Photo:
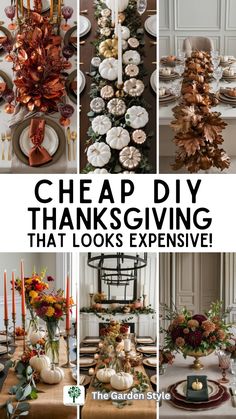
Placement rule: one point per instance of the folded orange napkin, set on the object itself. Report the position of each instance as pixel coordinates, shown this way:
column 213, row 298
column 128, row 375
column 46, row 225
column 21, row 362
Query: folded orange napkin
column 38, row 155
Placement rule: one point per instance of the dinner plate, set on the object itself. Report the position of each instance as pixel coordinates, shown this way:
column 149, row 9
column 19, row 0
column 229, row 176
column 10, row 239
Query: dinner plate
column 91, row 340
column 144, row 340
column 3, row 350
column 213, row 388
column 45, row 5
column 50, row 141
column 146, row 362
column 168, row 63
column 4, row 78
column 3, row 339
column 81, row 81
column 84, row 26
column 147, row 349
column 153, row 81
column 227, row 99
column 86, row 380
column 151, row 25
column 89, row 350
column 153, row 379
column 68, row 38
column 71, row 91
column 228, row 96
column 87, row 362
column 58, row 132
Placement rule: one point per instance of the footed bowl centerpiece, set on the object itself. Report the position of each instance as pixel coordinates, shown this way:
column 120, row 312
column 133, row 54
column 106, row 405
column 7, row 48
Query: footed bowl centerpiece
column 197, row 365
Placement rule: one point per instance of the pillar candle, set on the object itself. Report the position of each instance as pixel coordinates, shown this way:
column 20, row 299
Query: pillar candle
column 13, row 294
column 5, row 296
column 120, row 55
column 127, row 345
column 67, row 303
column 22, row 277
column 116, row 15
column 90, row 289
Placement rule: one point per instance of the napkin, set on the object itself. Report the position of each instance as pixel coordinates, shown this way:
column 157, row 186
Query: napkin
column 38, row 155
column 197, row 395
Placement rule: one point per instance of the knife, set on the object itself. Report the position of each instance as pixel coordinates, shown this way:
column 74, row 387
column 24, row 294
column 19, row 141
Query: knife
column 69, row 143
column 233, row 397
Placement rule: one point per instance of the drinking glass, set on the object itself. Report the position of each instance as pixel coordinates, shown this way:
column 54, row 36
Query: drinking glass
column 68, row 52
column 214, row 53
column 141, row 6
column 176, row 88
column 66, row 12
column 217, row 74
column 233, row 371
column 10, row 12
column 66, row 112
column 180, row 69
column 215, row 62
column 224, row 364
column 181, row 55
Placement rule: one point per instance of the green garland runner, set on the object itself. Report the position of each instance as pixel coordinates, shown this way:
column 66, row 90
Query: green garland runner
column 133, row 22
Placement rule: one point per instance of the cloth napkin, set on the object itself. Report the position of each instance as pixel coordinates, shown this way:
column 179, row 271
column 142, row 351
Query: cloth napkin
column 197, row 395
column 38, row 155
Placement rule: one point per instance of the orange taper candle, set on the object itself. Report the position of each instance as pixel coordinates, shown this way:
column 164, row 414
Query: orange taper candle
column 51, row 10
column 68, row 303
column 5, row 296
column 22, row 277
column 13, row 294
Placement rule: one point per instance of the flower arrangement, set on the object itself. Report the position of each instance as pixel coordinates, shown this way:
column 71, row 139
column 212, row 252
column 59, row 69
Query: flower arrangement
column 50, row 307
column 34, row 285
column 199, row 332
column 165, row 357
column 114, row 330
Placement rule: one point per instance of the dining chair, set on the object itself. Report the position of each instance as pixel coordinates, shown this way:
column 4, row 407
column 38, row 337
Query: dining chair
column 200, row 43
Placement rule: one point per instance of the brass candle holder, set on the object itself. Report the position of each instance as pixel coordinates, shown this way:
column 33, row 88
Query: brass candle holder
column 23, row 327
column 127, row 365
column 68, row 363
column 120, row 90
column 91, row 294
column 8, row 355
column 144, row 300
column 14, row 329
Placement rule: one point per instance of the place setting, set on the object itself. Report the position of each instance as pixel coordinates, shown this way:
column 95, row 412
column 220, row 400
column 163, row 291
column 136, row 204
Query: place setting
column 168, row 74
column 228, row 95
column 166, row 96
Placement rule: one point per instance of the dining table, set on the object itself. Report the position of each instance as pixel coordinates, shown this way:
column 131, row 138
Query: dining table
column 178, row 371
column 49, row 403
column 9, row 160
column 86, row 55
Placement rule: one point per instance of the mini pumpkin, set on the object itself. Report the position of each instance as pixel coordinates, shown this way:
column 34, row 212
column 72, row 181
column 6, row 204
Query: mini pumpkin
column 98, row 154
column 131, row 70
column 133, row 42
column 101, row 124
column 104, row 374
column 107, row 92
column 38, row 362
column 103, row 22
column 122, row 381
column 139, row 136
column 118, row 138
column 97, row 105
column 125, row 32
column 52, row 375
column 35, row 336
column 96, row 61
column 130, row 157
column 99, row 172
column 134, row 87
column 137, row 117
column 108, row 69
column 109, row 48
column 105, row 31
column 116, row 107
column 131, row 57
column 106, row 12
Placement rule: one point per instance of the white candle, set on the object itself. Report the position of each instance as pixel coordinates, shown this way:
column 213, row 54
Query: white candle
column 113, row 12
column 127, row 345
column 120, row 56
column 91, row 289
column 116, row 15
column 128, row 330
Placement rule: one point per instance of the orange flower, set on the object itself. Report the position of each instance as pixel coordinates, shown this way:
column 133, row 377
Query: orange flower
column 180, row 342
column 208, row 326
column 221, row 334
column 180, row 319
column 193, row 324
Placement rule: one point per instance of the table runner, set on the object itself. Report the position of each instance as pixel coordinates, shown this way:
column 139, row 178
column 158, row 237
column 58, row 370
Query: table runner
column 49, row 404
column 179, row 371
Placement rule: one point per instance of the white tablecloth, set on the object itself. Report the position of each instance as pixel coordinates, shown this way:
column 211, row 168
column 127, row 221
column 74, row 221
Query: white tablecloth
column 16, row 166
column 179, row 371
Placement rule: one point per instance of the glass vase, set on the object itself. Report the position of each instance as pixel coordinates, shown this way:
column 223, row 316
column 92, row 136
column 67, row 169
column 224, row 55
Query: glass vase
column 53, row 341
column 32, row 325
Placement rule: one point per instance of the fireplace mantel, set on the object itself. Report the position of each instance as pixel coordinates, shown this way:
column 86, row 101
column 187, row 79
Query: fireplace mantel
column 145, row 324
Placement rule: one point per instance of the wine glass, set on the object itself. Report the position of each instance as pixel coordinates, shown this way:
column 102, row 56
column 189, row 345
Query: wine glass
column 66, row 12
column 233, row 371
column 66, row 112
column 181, row 55
column 180, row 69
column 214, row 53
column 224, row 364
column 217, row 74
column 9, row 96
column 68, row 52
column 141, row 6
column 176, row 88
column 215, row 62
column 10, row 12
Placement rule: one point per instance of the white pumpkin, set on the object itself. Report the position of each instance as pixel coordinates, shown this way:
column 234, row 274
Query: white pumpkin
column 97, row 105
column 134, row 87
column 116, row 107
column 35, row 336
column 122, row 381
column 104, row 374
column 137, row 117
column 131, row 57
column 98, row 154
column 125, row 33
column 118, row 138
column 122, row 4
column 52, row 375
column 39, row 362
column 130, row 157
column 108, row 69
column 101, row 124
column 99, row 172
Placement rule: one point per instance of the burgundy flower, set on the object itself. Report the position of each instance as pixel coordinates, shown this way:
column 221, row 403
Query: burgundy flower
column 118, row 339
column 50, row 278
column 194, row 338
column 177, row 332
column 199, row 317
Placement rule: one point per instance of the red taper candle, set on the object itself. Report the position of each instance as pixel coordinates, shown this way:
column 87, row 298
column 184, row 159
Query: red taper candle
column 22, row 277
column 13, row 294
column 5, row 296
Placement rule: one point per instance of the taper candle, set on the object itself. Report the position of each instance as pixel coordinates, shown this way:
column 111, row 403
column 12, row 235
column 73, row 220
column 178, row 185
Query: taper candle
column 127, row 345
column 113, row 12
column 13, row 293
column 22, row 277
column 59, row 8
column 21, row 8
column 28, row 6
column 68, row 303
column 17, row 12
column 116, row 15
column 51, row 10
column 120, row 55
column 5, row 296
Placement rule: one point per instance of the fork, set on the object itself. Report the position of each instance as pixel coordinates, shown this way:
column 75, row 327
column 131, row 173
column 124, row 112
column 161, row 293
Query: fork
column 3, row 138
column 8, row 138
column 74, row 138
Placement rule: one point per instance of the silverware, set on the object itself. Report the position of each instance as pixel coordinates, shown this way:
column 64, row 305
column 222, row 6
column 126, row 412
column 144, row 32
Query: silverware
column 8, row 138
column 68, row 135
column 233, row 397
column 3, row 138
column 84, row 12
column 74, row 138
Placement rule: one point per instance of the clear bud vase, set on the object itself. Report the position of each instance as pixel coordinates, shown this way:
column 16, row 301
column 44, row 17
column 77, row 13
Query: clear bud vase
column 32, row 325
column 53, row 341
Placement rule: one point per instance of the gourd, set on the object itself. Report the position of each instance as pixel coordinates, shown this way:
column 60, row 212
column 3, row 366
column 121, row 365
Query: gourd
column 130, row 157
column 98, row 154
column 197, row 385
column 101, row 124
column 125, row 32
column 137, row 117
column 116, row 107
column 99, row 171
column 118, row 138
column 52, row 375
column 104, row 374
column 122, row 4
column 109, row 48
column 97, row 105
column 131, row 57
column 108, row 69
column 133, row 87
column 39, row 362
column 122, row 381
column 35, row 336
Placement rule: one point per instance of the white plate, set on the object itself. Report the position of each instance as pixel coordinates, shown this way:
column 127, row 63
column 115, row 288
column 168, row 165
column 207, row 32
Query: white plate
column 144, row 340
column 45, row 5
column 212, row 388
column 91, row 340
column 3, row 349
column 3, row 339
column 88, row 349
column 151, row 25
column 74, row 35
column 153, row 81
column 82, row 81
column 2, row 367
column 84, row 26
column 147, row 349
column 50, row 142
column 85, row 361
column 152, row 361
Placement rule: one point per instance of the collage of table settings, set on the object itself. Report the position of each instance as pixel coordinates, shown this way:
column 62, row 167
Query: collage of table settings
column 118, row 86
column 37, row 345
column 38, row 52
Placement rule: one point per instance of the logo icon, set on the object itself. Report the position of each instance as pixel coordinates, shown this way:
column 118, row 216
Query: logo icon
column 73, row 395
